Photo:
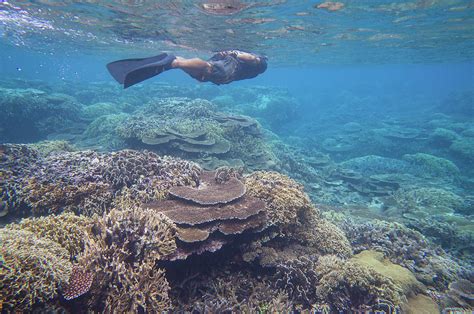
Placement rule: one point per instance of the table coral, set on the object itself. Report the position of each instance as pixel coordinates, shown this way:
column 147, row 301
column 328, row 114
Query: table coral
column 32, row 269
column 210, row 191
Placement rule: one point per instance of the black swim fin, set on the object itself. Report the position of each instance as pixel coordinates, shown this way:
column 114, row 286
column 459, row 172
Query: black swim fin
column 133, row 71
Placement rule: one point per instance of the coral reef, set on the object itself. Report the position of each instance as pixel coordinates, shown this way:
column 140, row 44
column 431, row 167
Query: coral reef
column 32, row 114
column 190, row 128
column 122, row 253
column 433, row 166
column 68, row 230
column 85, row 182
column 284, row 197
column 32, row 269
column 405, row 247
column 212, row 214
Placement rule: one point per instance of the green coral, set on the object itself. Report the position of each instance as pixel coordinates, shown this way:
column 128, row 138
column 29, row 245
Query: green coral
column 463, row 147
column 432, row 200
column 443, row 137
column 433, row 166
column 32, row 269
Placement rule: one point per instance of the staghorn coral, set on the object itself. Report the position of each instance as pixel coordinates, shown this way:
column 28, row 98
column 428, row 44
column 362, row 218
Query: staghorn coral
column 138, row 288
column 121, row 253
column 147, row 175
column 32, row 269
column 229, row 290
column 66, row 229
column 298, row 278
column 285, row 199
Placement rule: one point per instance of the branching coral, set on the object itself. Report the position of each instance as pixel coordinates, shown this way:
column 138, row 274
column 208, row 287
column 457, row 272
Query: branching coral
column 85, row 182
column 325, row 237
column 406, row 247
column 122, row 253
column 137, row 288
column 32, row 269
column 350, row 284
column 66, row 229
column 285, row 199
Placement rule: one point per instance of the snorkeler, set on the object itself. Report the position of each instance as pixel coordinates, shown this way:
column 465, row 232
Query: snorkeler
column 222, row 68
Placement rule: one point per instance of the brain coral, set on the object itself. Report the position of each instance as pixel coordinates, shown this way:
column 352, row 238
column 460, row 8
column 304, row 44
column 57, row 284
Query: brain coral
column 32, row 269
column 285, row 199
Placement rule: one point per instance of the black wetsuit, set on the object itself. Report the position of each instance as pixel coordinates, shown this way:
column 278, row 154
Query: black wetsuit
column 227, row 67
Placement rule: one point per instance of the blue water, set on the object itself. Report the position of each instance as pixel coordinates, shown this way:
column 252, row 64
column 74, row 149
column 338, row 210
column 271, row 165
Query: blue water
column 369, row 107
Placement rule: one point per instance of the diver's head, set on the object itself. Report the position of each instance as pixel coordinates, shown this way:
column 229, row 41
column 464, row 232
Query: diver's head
column 262, row 64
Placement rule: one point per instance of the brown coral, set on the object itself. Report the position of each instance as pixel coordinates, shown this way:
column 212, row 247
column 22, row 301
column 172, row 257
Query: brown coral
column 66, row 229
column 122, row 252
column 210, row 191
column 351, row 284
column 285, row 199
column 191, row 214
column 32, row 269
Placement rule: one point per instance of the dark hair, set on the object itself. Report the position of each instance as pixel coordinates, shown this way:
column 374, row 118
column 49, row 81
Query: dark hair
column 262, row 65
